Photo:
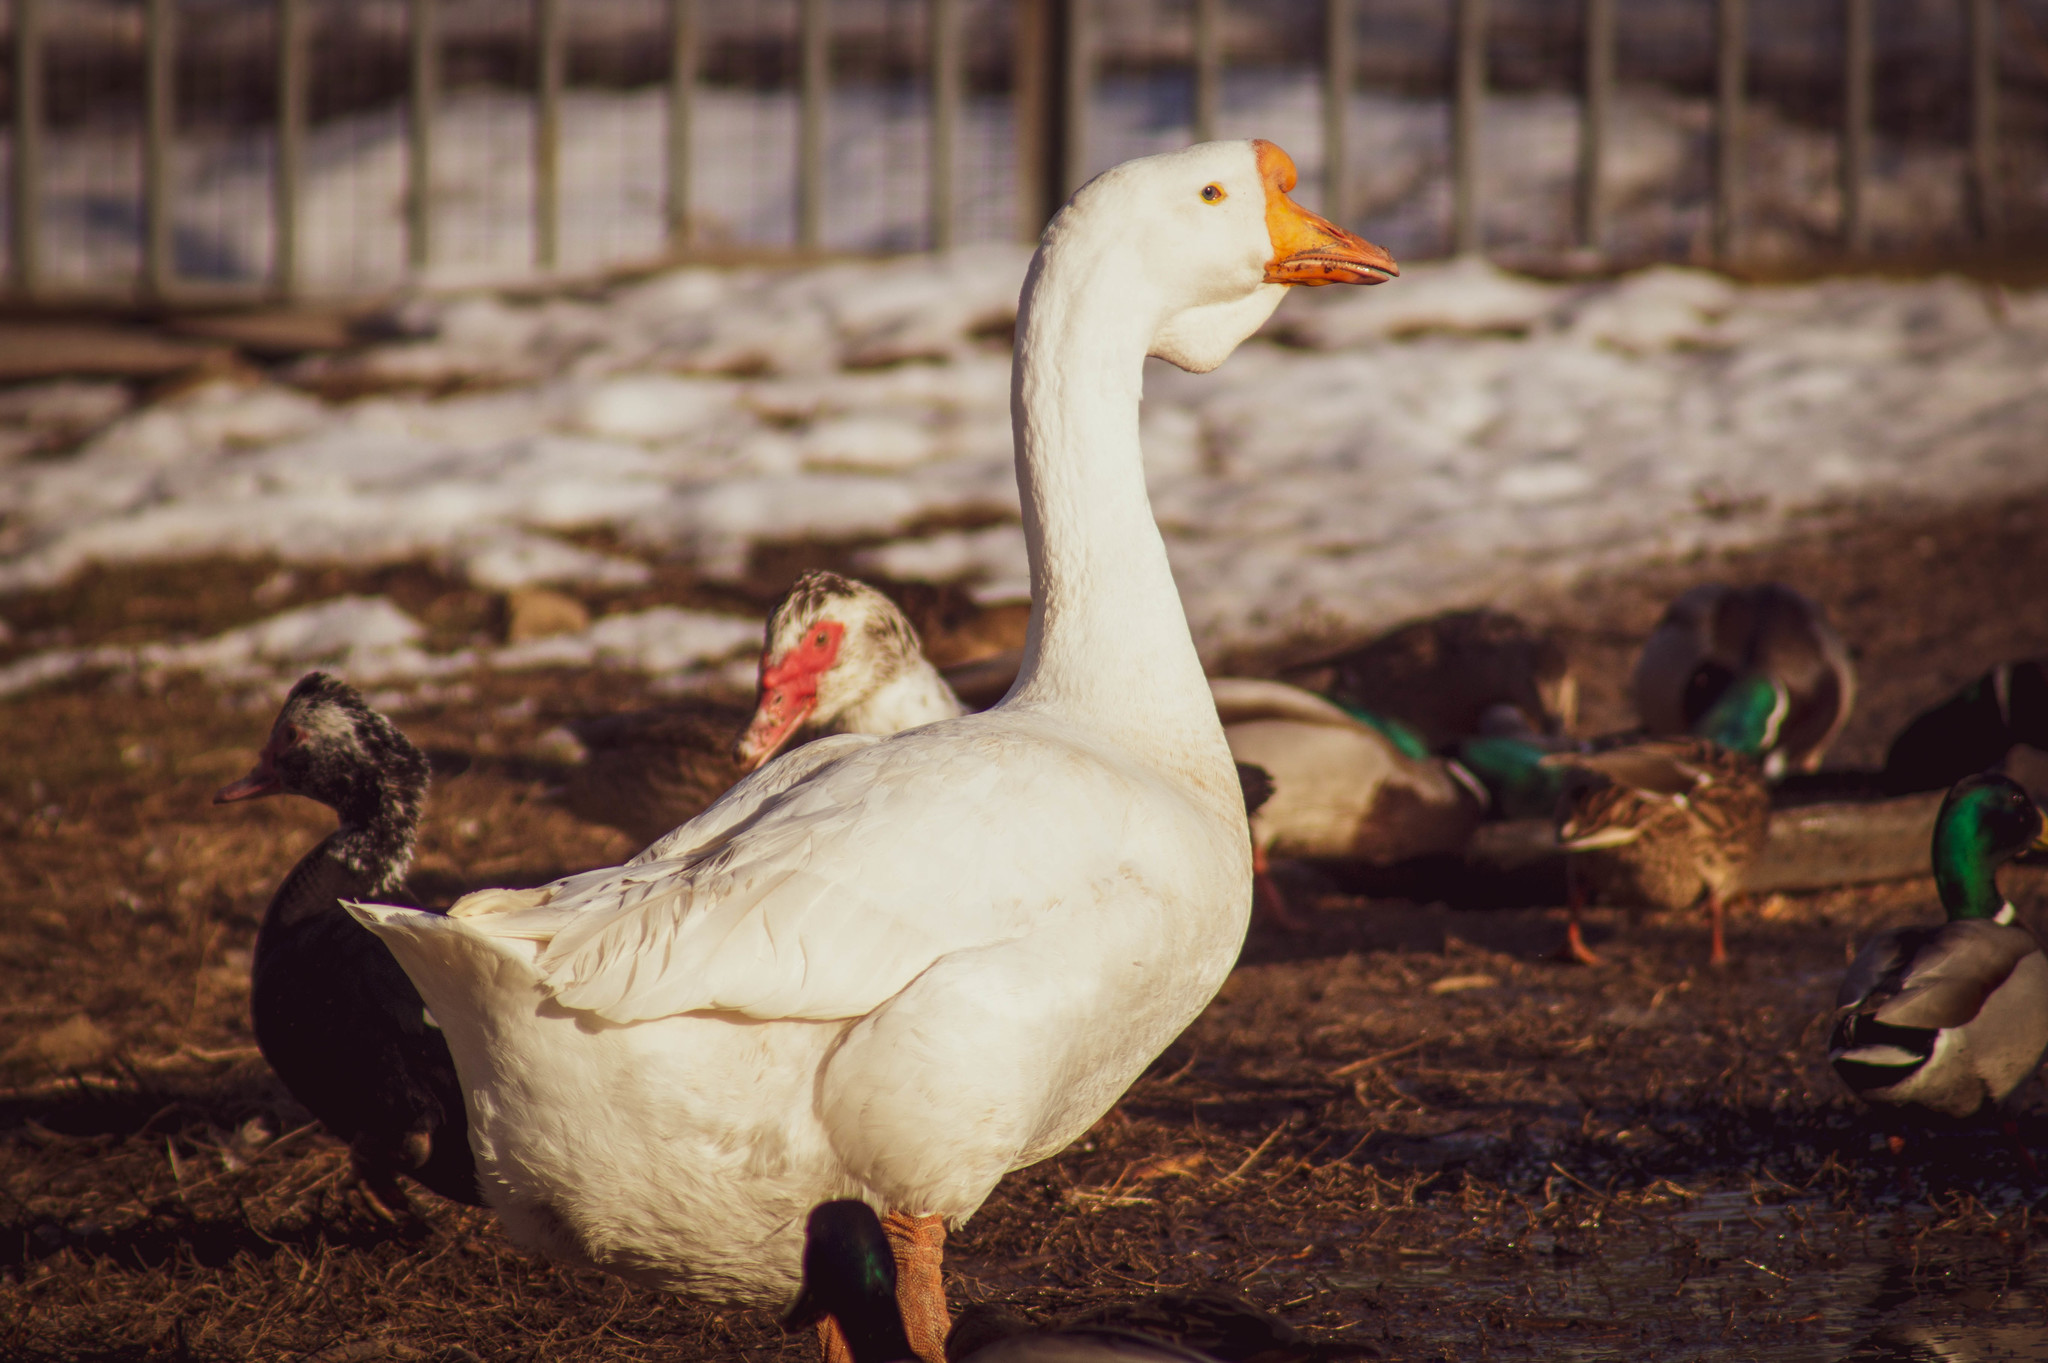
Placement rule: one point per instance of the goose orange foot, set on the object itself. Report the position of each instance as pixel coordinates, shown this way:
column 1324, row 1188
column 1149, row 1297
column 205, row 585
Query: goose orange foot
column 919, row 1245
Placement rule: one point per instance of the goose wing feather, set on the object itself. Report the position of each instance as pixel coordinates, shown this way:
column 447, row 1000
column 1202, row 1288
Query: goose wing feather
column 826, row 895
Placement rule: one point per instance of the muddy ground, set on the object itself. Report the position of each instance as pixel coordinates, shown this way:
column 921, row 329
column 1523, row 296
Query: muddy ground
column 1409, row 1132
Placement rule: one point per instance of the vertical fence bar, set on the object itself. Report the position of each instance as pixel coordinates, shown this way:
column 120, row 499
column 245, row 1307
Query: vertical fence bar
column 291, row 147
column 1467, row 108
column 814, row 41
column 547, row 133
column 1031, row 108
column 682, row 101
column 1337, row 68
column 25, row 187
column 159, row 57
column 1984, row 177
column 946, row 88
column 1077, row 87
column 1208, row 67
column 1596, row 100
column 1856, row 97
column 425, row 41
column 1731, row 40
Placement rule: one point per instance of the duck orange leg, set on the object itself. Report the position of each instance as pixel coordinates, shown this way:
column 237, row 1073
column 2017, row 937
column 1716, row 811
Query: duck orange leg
column 1266, row 897
column 918, row 1244
column 1575, row 948
column 1717, row 913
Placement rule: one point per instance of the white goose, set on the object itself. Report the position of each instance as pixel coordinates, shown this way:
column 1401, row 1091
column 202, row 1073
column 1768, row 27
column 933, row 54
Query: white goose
column 898, row 968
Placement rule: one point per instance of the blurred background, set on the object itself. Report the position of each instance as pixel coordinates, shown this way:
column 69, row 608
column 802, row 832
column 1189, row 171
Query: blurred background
column 347, row 147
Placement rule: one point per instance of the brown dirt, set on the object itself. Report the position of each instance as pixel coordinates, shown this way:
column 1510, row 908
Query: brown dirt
column 1407, row 1129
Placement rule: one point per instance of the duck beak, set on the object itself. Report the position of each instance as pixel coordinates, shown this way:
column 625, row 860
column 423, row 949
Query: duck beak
column 262, row 780
column 788, row 696
column 1307, row 248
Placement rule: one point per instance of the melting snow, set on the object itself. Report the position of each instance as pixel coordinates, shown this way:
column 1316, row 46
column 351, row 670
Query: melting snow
column 1457, row 436
column 369, row 640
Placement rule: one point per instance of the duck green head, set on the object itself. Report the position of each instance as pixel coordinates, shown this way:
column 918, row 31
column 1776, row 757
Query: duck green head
column 1406, row 738
column 1986, row 821
column 850, row 1275
column 1747, row 717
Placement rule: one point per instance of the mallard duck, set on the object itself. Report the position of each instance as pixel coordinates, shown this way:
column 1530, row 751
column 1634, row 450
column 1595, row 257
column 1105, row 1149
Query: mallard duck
column 1972, row 730
column 903, row 967
column 333, row 1014
column 1661, row 822
column 1441, row 676
column 838, row 658
column 1716, row 633
column 1342, row 789
column 1947, row 1019
column 851, row 1279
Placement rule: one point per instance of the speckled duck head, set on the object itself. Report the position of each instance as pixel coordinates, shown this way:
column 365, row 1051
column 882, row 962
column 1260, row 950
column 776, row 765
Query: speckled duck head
column 1985, row 822
column 327, row 744
column 840, row 657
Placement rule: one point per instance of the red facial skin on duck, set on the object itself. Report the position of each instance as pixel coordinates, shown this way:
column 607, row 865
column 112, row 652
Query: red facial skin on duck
column 263, row 779
column 789, row 692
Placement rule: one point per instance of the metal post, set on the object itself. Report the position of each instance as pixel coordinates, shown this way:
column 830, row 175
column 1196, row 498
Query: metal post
column 1856, row 57
column 1596, row 99
column 159, row 49
column 1984, row 178
column 682, row 99
column 946, row 91
column 1466, row 236
column 291, row 146
column 547, row 134
column 1731, row 40
column 1208, row 67
column 814, row 39
column 1031, row 98
column 1077, row 87
column 419, row 162
column 25, row 189
column 1337, row 68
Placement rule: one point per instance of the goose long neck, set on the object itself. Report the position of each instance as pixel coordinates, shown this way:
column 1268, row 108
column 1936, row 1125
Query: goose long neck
column 1109, row 642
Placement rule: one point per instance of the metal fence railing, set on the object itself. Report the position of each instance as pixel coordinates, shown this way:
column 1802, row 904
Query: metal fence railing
column 365, row 143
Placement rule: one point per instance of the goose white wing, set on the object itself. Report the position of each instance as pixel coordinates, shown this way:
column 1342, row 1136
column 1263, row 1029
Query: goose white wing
column 753, row 791
column 835, row 892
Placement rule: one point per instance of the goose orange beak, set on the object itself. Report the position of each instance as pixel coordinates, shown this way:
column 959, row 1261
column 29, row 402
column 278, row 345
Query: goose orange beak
column 1308, row 249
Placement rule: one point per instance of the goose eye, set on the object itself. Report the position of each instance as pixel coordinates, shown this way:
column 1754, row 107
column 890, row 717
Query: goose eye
column 292, row 735
column 820, row 638
column 1212, row 194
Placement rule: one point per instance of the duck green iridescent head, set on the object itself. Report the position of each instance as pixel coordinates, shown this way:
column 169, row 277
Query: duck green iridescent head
column 850, row 1275
column 1986, row 821
column 1747, row 717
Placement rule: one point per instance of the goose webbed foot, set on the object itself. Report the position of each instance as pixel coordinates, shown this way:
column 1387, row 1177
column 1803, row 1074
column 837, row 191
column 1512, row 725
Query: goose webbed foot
column 919, row 1243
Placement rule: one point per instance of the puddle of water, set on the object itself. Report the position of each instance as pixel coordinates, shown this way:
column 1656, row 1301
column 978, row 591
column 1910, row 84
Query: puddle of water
column 1723, row 1278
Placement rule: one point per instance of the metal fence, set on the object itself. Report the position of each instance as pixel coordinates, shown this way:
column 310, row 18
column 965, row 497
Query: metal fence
column 986, row 113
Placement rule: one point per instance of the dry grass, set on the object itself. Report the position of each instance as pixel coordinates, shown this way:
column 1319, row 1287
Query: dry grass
column 1408, row 1129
